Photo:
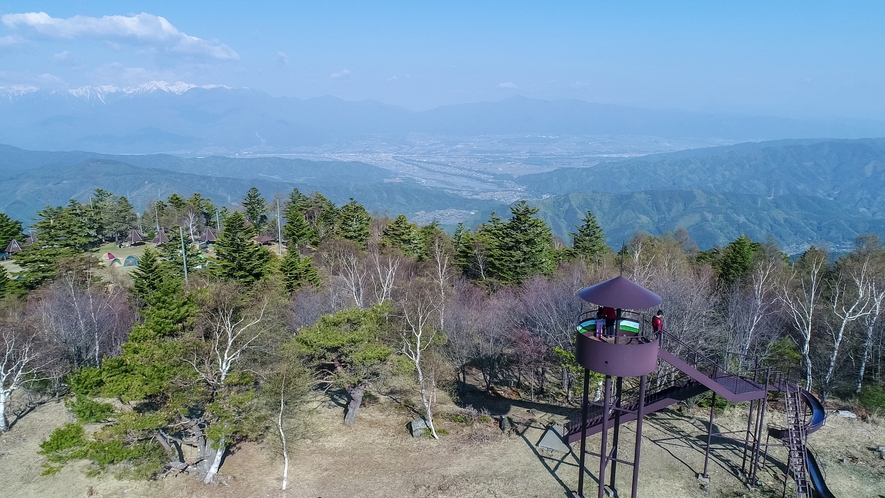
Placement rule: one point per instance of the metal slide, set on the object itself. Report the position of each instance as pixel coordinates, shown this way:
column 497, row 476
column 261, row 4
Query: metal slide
column 816, row 477
column 701, row 374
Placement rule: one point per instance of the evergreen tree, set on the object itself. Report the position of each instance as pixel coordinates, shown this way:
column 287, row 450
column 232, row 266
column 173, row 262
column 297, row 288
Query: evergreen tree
column 121, row 218
column 735, row 261
column 173, row 260
column 404, row 236
column 61, row 235
column 353, row 223
column 322, row 216
column 203, row 206
column 4, row 283
column 589, row 241
column 255, row 208
column 9, row 229
column 177, row 201
column 297, row 231
column 239, row 258
column 147, row 277
column 298, row 271
column 348, row 351
column 520, row 248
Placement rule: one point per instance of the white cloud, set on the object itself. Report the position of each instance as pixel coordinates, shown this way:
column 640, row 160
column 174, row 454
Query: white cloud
column 142, row 28
column 508, row 84
column 11, row 41
column 65, row 58
column 579, row 85
column 340, row 75
column 282, row 58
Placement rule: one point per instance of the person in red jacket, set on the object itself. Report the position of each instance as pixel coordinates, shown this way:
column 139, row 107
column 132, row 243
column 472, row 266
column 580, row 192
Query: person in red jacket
column 657, row 323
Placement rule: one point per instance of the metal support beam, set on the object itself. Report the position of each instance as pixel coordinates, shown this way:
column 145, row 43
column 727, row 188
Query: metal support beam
column 603, row 461
column 709, row 435
column 640, row 412
column 584, row 405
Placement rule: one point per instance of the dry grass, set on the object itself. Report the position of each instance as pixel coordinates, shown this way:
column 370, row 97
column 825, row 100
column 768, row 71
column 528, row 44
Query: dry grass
column 377, row 457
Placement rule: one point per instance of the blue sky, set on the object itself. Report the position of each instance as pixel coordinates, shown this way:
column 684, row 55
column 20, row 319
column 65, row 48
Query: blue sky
column 796, row 59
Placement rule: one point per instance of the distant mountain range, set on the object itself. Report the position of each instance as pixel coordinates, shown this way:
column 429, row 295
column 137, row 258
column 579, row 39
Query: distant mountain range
column 32, row 180
column 800, row 192
column 187, row 119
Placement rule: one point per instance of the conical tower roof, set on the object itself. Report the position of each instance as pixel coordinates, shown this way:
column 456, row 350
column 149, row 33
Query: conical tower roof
column 620, row 292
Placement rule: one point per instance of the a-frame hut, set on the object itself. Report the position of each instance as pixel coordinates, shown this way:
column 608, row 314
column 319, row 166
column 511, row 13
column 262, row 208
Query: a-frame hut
column 30, row 240
column 208, row 236
column 264, row 240
column 134, row 238
column 13, row 247
column 160, row 238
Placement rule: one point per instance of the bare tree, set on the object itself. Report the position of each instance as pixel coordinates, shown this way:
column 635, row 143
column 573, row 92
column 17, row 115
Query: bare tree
column 442, row 272
column 869, row 322
column 419, row 308
column 348, row 269
column 230, row 330
column 23, row 359
column 192, row 220
column 750, row 308
column 850, row 300
column 384, row 269
column 800, row 294
column 89, row 321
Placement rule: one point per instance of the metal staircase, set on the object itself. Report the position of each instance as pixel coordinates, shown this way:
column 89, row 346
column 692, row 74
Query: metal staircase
column 795, row 440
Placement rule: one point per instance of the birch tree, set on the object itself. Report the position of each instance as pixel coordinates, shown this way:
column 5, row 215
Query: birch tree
column 800, row 294
column 850, row 300
column 419, row 310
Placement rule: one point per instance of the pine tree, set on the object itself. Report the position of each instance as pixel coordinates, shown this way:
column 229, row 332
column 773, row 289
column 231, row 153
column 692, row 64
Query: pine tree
column 298, row 271
column 735, row 261
column 147, row 277
column 404, row 236
column 520, row 248
column 255, row 208
column 589, row 241
column 353, row 223
column 239, row 258
column 322, row 216
column 173, row 261
column 9, row 229
column 297, row 231
column 4, row 283
column 61, row 234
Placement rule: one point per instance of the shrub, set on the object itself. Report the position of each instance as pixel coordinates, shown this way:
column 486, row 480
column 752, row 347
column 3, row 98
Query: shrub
column 88, row 411
column 872, row 397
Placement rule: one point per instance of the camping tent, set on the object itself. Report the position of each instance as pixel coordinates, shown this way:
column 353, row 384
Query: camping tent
column 160, row 238
column 115, row 262
column 111, row 256
column 130, row 261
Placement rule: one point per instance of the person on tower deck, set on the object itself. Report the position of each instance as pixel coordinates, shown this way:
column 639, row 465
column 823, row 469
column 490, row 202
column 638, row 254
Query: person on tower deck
column 657, row 324
column 611, row 317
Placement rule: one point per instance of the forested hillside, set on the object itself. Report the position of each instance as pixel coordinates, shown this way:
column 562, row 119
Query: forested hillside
column 210, row 342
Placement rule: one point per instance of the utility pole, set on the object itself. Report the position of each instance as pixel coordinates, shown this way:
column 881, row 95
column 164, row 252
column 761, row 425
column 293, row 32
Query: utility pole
column 279, row 228
column 183, row 254
column 217, row 222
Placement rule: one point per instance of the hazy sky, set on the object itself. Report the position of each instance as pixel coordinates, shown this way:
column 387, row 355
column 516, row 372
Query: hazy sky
column 798, row 59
